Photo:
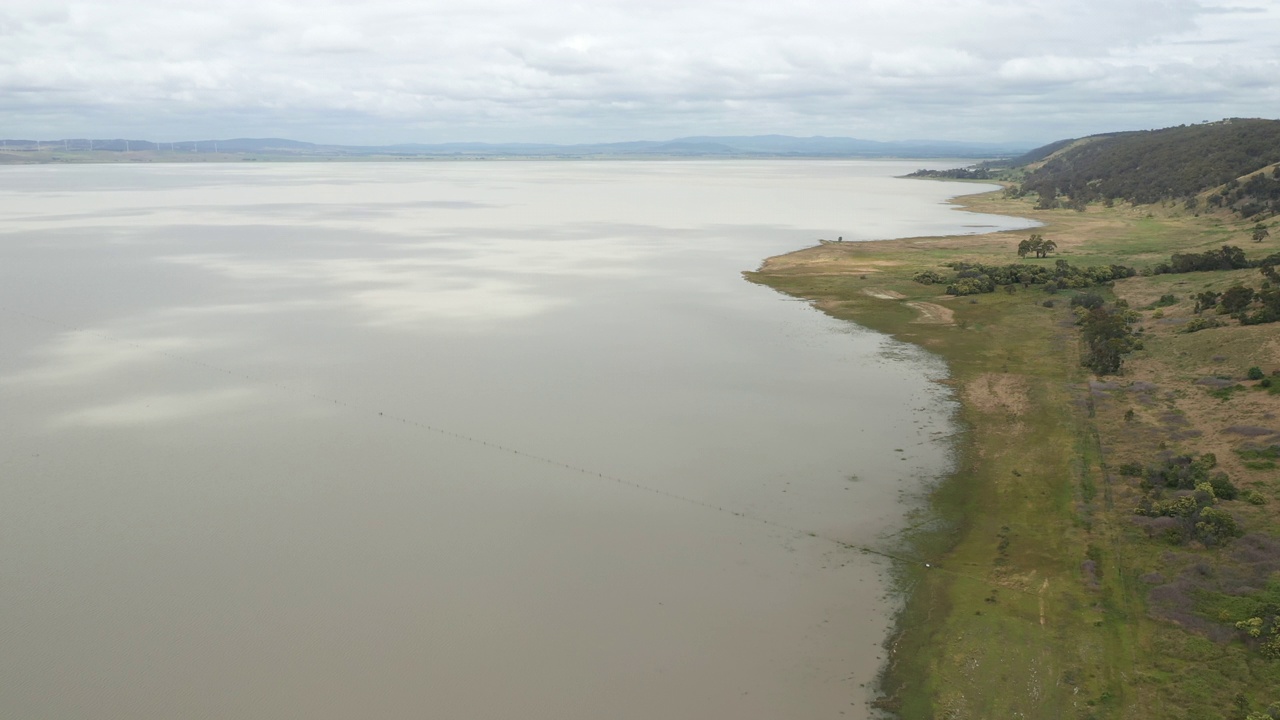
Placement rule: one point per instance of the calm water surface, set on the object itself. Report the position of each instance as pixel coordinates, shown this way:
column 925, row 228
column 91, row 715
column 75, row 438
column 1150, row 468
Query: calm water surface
column 258, row 426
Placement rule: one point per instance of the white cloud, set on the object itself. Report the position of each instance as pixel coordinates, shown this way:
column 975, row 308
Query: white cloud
column 395, row 70
column 1051, row 69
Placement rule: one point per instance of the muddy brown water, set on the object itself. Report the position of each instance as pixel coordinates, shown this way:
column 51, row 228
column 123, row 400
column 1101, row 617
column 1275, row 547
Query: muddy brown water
column 455, row 440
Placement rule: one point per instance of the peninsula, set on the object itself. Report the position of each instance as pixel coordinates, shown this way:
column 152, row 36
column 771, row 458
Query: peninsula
column 1109, row 545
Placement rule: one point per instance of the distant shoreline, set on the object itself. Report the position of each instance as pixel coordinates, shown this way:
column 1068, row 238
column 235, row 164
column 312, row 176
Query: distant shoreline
column 192, row 158
column 120, row 150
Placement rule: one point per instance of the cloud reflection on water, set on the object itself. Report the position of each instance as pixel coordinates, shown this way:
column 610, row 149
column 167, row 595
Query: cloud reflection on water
column 157, row 408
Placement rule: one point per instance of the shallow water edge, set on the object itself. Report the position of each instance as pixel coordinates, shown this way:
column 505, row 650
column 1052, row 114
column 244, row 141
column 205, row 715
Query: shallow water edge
column 943, row 507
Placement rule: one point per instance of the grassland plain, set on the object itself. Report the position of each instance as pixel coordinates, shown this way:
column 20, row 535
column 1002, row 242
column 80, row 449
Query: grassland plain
column 1044, row 597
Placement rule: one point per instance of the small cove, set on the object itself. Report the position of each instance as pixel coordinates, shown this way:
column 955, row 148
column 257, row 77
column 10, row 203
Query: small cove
column 226, row 494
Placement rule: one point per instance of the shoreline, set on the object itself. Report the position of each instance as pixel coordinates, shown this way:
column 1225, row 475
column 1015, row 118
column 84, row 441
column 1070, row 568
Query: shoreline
column 10, row 159
column 908, row 576
column 1037, row 602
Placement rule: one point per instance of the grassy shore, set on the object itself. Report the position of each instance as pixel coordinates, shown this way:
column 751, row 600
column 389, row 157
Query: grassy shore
column 1045, row 598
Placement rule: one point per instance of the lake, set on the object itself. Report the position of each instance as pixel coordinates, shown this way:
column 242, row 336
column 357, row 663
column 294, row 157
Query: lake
column 450, row 439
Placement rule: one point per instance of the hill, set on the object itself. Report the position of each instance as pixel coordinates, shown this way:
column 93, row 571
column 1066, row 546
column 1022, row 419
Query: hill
column 1220, row 164
column 116, row 150
column 1109, row 545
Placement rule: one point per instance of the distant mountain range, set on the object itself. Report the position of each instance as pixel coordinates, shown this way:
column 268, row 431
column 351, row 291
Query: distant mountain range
column 699, row 146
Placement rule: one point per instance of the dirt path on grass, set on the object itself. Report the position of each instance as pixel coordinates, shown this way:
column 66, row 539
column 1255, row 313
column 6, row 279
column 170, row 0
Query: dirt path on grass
column 883, row 294
column 932, row 314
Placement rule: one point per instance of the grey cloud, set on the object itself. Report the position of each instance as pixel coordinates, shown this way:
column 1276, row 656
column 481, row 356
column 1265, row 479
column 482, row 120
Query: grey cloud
column 393, row 70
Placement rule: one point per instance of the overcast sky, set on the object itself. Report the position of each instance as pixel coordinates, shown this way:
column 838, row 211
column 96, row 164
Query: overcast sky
column 385, row 71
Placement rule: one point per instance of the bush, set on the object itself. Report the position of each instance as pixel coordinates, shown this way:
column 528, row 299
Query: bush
column 1255, row 373
column 1206, row 300
column 1223, row 487
column 1088, row 300
column 928, row 277
column 1198, row 324
column 971, row 286
column 1047, row 303
column 1215, row 526
column 1235, row 299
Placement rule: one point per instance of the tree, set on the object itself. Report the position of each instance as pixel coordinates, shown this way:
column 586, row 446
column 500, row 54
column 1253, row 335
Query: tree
column 1038, row 245
column 1048, row 198
column 1260, row 233
column 1236, row 299
column 1107, row 340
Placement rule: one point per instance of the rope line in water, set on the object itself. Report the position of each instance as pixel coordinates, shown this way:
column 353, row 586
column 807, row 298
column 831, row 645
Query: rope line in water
column 864, row 549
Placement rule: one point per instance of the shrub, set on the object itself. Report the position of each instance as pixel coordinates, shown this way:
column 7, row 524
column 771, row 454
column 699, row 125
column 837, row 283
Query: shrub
column 1225, row 393
column 1235, row 299
column 928, row 277
column 1206, row 300
column 1223, row 487
column 1215, row 526
column 1198, row 324
column 971, row 286
column 1087, row 300
column 1271, row 649
column 1255, row 373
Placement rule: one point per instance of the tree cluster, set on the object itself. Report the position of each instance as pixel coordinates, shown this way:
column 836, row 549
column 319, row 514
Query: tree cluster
column 1243, row 303
column 1266, row 630
column 977, row 278
column 1185, row 499
column 1155, row 165
column 1042, row 152
column 1257, row 195
column 1193, row 500
column 975, row 172
column 1229, row 257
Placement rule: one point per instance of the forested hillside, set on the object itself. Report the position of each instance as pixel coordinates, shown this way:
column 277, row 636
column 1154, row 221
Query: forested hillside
column 1178, row 163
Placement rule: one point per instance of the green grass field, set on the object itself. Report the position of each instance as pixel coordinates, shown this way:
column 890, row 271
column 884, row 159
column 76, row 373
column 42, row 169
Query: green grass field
column 1038, row 601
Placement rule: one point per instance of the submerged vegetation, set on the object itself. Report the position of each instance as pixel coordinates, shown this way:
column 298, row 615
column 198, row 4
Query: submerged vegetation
column 1109, row 546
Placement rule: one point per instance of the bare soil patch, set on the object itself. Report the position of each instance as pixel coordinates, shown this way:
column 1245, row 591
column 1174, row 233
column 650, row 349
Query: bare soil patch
column 933, row 314
column 883, row 294
column 840, row 259
column 995, row 392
